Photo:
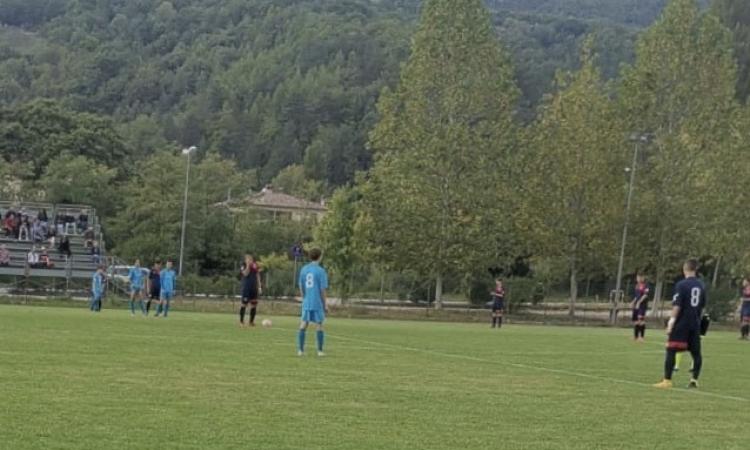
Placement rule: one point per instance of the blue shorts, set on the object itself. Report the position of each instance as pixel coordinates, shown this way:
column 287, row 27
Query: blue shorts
column 746, row 310
column 313, row 316
column 136, row 290
column 166, row 295
column 498, row 305
column 639, row 314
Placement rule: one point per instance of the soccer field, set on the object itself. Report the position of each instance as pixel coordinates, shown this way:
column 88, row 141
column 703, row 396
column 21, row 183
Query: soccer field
column 70, row 379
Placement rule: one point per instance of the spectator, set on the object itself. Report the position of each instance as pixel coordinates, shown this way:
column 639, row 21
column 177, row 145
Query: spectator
column 37, row 232
column 59, row 225
column 23, row 231
column 10, row 218
column 88, row 237
column 32, row 258
column 42, row 216
column 64, row 246
column 4, row 256
column 83, row 221
column 96, row 253
column 44, row 261
column 70, row 223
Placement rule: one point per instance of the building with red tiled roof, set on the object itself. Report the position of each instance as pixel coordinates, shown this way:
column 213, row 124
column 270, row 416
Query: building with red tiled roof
column 280, row 205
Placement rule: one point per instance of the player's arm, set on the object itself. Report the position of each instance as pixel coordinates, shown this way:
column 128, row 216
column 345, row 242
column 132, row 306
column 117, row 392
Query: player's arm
column 257, row 279
column 324, row 299
column 673, row 318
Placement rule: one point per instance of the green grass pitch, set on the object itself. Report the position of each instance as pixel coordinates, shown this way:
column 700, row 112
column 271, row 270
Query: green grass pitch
column 70, row 379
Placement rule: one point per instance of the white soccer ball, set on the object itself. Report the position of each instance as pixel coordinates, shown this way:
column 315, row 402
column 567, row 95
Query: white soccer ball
column 267, row 323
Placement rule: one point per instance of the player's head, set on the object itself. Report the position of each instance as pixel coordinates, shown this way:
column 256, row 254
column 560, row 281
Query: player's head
column 641, row 277
column 137, row 262
column 690, row 268
column 100, row 268
column 157, row 263
column 249, row 257
column 170, row 263
column 498, row 281
column 745, row 282
column 315, row 254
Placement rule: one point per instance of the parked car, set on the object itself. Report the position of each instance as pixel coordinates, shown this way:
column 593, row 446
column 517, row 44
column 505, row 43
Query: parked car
column 120, row 273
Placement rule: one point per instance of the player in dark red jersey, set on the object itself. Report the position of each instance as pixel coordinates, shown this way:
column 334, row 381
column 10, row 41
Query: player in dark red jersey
column 745, row 309
column 641, row 296
column 684, row 326
column 498, row 303
column 251, row 289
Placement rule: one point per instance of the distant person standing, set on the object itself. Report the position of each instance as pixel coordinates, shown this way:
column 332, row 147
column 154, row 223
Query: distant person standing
column 167, row 282
column 135, row 276
column 313, row 284
column 97, row 289
column 498, row 304
column 684, row 327
column 251, row 289
column 639, row 305
column 154, row 285
column 745, row 310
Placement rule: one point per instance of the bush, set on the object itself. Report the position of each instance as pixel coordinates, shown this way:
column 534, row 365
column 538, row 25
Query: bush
column 722, row 302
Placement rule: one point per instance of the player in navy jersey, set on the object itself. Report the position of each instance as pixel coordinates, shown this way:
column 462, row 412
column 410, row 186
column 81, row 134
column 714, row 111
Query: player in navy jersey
column 251, row 288
column 313, row 285
column 154, row 285
column 745, row 309
column 498, row 303
column 684, row 326
column 639, row 305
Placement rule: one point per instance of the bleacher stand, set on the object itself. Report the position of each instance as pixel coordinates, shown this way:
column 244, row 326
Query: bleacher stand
column 51, row 251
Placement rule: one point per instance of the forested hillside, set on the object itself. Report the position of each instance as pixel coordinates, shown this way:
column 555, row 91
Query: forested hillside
column 268, row 83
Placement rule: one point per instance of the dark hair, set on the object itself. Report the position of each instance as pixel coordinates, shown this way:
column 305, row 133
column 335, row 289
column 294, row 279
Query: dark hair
column 158, row 261
column 640, row 274
column 170, row 260
column 691, row 265
column 315, row 254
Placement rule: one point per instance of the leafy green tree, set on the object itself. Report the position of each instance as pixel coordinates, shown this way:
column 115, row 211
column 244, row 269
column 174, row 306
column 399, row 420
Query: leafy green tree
column 681, row 90
column 149, row 223
column 335, row 235
column 40, row 131
column 292, row 181
column 572, row 172
column 440, row 145
column 77, row 179
column 735, row 15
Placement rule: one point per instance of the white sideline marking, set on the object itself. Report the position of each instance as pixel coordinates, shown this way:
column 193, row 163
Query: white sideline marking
column 529, row 367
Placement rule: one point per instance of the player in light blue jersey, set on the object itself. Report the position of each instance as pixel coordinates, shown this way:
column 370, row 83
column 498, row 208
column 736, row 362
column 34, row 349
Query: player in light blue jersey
column 135, row 276
column 313, row 283
column 167, row 278
column 97, row 289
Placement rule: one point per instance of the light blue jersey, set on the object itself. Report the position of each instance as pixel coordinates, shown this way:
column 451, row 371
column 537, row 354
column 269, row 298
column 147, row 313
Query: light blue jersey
column 136, row 278
column 312, row 280
column 167, row 280
column 97, row 286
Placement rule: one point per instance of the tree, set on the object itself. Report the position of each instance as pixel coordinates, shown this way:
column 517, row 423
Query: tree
column 149, row 224
column 681, row 90
column 77, row 179
column 293, row 181
column 335, row 235
column 440, row 145
column 572, row 175
column 40, row 131
column 735, row 15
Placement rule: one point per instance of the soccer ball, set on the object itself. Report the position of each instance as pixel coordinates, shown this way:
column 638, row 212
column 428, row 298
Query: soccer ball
column 267, row 323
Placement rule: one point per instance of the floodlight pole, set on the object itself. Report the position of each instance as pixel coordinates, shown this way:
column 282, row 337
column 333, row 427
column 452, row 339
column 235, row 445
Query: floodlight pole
column 187, row 152
column 618, row 283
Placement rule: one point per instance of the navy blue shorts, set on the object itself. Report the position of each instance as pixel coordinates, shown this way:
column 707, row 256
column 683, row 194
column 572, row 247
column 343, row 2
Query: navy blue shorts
column 745, row 313
column 639, row 314
column 249, row 295
column 498, row 305
column 685, row 337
